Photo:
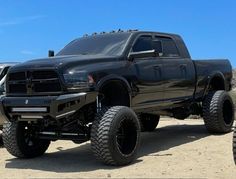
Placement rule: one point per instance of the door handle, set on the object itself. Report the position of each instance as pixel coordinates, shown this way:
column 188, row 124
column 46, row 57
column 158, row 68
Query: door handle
column 183, row 69
column 157, row 67
column 183, row 66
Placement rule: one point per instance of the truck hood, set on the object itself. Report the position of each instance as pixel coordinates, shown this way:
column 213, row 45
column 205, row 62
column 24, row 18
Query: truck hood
column 62, row 62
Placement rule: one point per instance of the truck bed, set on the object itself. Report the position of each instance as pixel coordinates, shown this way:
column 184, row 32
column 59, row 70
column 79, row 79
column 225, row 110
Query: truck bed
column 206, row 67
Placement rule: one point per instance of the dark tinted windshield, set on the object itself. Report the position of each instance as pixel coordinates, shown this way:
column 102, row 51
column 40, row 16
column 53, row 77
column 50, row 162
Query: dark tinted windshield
column 107, row 44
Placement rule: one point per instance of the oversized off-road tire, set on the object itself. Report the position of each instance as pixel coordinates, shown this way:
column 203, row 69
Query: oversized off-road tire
column 115, row 135
column 149, row 122
column 234, row 145
column 19, row 140
column 218, row 112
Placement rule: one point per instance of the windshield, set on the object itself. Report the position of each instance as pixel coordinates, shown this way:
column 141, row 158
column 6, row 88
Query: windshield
column 106, row 44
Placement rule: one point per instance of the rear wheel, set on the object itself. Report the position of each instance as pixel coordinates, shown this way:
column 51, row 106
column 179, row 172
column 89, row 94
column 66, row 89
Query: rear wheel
column 149, row 122
column 115, row 135
column 218, row 112
column 20, row 141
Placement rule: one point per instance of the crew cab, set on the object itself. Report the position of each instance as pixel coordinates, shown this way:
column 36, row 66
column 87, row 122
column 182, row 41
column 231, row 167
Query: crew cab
column 109, row 87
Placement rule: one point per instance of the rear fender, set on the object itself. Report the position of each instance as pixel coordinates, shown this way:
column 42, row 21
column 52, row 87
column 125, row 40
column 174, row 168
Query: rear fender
column 211, row 77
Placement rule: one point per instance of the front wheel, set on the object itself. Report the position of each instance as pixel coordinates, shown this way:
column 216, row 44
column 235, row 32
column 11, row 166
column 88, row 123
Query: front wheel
column 115, row 135
column 20, row 141
column 218, row 112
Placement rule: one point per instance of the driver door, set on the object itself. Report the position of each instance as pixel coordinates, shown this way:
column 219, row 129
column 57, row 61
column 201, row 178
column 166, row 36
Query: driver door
column 148, row 71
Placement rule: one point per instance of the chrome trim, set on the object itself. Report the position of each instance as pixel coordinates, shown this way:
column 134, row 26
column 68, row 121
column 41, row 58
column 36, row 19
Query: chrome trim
column 31, row 117
column 48, row 133
column 66, row 96
column 69, row 134
column 65, row 114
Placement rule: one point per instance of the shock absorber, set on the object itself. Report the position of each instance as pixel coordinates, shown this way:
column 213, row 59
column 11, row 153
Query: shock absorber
column 99, row 99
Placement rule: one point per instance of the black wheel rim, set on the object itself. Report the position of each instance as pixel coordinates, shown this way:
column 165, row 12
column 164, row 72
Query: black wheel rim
column 227, row 112
column 29, row 137
column 126, row 136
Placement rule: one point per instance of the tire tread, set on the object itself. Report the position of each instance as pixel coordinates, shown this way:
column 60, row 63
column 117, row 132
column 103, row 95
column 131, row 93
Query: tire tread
column 100, row 135
column 11, row 142
column 211, row 114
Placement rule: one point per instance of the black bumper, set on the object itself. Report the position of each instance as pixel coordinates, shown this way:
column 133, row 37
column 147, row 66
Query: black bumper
column 32, row 108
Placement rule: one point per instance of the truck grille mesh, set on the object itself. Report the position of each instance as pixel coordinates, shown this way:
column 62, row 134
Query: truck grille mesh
column 33, row 82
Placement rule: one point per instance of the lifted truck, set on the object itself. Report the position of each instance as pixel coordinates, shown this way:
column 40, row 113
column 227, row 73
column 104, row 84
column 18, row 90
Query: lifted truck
column 107, row 88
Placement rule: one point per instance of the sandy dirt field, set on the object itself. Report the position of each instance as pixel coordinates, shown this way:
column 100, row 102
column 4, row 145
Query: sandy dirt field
column 176, row 149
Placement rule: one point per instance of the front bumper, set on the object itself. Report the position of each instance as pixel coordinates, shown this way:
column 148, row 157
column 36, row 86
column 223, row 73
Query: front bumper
column 40, row 107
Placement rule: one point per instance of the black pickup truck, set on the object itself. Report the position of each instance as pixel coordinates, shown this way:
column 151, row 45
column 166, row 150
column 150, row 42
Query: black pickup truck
column 109, row 87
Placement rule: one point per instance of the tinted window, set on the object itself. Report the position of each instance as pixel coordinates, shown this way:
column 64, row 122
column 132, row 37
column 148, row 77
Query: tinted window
column 169, row 47
column 107, row 44
column 143, row 43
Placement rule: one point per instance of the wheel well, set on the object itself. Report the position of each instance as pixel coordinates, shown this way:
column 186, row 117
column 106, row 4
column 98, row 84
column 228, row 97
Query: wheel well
column 115, row 93
column 217, row 83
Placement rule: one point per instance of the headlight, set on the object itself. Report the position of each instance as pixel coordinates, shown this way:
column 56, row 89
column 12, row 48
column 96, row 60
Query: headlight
column 78, row 79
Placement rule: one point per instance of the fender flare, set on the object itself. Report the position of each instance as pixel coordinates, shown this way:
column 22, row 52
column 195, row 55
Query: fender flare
column 210, row 77
column 113, row 77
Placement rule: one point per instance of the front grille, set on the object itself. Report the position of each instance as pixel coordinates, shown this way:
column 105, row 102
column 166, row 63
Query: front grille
column 17, row 76
column 44, row 74
column 17, row 88
column 33, row 82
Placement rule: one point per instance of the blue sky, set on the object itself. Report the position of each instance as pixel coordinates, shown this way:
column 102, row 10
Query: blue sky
column 29, row 28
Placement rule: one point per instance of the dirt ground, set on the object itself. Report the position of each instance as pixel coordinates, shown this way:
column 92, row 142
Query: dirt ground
column 176, row 149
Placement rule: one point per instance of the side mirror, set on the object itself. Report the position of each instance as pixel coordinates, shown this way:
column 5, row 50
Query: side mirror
column 141, row 54
column 50, row 53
